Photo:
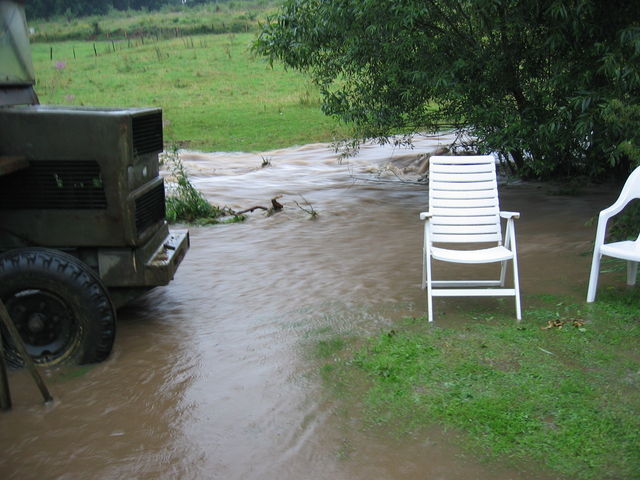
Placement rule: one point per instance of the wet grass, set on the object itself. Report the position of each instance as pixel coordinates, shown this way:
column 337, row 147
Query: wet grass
column 561, row 389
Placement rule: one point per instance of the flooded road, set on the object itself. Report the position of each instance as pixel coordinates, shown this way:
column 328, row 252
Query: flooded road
column 211, row 376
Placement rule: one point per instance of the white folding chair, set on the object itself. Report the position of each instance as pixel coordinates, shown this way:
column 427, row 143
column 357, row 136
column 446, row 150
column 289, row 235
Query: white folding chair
column 464, row 208
column 628, row 250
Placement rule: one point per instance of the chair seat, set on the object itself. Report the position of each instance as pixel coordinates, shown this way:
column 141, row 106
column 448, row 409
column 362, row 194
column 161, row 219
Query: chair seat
column 484, row 255
column 627, row 250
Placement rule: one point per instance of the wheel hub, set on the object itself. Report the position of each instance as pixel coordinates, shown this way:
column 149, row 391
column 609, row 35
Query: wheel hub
column 36, row 323
column 46, row 323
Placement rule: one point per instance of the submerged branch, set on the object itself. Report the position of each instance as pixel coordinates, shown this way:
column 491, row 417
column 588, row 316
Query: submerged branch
column 275, row 207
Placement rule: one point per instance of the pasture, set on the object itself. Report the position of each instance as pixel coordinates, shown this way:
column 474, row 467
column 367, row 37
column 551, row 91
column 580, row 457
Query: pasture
column 216, row 95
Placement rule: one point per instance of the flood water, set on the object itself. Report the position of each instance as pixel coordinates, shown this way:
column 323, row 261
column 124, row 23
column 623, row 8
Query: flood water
column 211, row 376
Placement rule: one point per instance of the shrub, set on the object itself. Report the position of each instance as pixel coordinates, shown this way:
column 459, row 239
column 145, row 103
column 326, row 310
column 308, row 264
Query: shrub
column 185, row 203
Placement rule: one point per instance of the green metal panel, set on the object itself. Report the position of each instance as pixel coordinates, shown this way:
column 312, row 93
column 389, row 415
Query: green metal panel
column 92, row 178
column 16, row 66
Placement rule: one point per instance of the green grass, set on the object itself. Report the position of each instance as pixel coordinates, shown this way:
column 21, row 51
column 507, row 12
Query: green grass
column 564, row 398
column 215, row 94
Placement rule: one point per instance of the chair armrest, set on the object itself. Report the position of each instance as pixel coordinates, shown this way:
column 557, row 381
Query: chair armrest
column 510, row 215
column 628, row 193
column 603, row 219
column 611, row 211
column 425, row 215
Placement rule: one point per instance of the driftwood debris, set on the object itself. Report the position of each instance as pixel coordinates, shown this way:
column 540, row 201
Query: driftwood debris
column 276, row 206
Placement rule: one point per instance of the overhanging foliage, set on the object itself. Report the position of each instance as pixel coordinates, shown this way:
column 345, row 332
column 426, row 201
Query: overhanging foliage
column 552, row 85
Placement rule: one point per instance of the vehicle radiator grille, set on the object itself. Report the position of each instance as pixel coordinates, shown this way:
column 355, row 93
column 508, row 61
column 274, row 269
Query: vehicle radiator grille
column 147, row 134
column 54, row 184
column 150, row 208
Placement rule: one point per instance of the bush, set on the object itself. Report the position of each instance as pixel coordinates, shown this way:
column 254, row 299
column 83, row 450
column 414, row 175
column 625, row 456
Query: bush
column 551, row 85
column 185, row 203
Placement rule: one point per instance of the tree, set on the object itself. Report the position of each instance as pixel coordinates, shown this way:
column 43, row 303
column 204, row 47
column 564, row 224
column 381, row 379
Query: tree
column 551, row 85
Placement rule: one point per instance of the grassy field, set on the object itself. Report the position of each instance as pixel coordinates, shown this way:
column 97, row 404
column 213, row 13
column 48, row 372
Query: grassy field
column 560, row 391
column 216, row 95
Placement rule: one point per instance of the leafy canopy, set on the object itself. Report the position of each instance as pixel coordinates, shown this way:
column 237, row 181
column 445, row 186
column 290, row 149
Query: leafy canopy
column 551, row 85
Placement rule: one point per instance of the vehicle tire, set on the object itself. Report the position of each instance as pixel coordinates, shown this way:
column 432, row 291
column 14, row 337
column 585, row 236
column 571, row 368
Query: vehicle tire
column 58, row 304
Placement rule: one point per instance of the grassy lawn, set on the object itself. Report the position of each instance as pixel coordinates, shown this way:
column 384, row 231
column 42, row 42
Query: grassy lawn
column 216, row 96
column 561, row 389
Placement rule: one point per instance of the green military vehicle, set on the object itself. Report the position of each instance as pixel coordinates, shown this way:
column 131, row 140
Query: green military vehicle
column 82, row 212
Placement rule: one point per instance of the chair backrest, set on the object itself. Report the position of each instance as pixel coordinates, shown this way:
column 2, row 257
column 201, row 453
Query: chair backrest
column 463, row 199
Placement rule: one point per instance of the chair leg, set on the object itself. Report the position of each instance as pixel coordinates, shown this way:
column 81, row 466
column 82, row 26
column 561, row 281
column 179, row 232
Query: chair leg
column 503, row 272
column 510, row 242
column 424, row 268
column 516, row 286
column 427, row 261
column 632, row 272
column 593, row 277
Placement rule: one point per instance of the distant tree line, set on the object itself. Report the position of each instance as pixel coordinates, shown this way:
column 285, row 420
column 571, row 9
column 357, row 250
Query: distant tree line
column 78, row 8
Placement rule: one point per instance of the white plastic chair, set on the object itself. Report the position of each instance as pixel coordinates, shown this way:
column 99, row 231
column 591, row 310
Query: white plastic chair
column 628, row 250
column 464, row 208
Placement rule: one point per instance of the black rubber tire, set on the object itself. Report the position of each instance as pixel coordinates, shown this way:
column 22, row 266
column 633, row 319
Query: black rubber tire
column 59, row 305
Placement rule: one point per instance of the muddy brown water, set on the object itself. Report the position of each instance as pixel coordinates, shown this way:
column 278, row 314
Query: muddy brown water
column 210, row 377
